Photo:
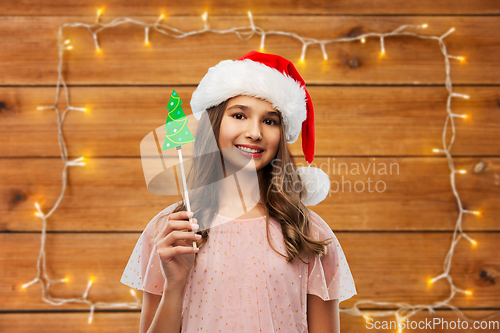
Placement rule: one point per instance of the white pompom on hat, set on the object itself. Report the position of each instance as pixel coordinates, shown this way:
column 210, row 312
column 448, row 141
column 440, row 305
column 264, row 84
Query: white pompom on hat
column 276, row 80
column 316, row 185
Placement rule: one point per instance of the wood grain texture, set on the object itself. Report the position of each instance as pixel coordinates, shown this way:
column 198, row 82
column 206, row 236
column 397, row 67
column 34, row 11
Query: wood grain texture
column 258, row 7
column 366, row 194
column 387, row 266
column 125, row 60
column 350, row 121
column 368, row 110
column 125, row 322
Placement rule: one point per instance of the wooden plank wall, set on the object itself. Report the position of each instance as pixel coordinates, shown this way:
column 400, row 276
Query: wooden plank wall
column 368, row 110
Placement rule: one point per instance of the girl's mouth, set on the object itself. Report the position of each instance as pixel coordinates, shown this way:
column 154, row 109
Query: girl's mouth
column 250, row 154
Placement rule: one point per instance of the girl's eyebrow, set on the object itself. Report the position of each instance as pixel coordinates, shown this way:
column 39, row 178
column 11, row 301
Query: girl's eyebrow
column 247, row 108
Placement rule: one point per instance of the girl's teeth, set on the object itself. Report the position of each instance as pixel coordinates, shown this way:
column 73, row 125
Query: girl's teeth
column 248, row 150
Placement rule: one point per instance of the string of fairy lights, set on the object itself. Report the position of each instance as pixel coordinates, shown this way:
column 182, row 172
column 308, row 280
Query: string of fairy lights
column 403, row 310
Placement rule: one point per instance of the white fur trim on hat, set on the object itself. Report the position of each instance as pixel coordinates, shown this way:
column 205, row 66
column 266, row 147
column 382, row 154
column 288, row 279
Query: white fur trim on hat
column 231, row 78
column 315, row 184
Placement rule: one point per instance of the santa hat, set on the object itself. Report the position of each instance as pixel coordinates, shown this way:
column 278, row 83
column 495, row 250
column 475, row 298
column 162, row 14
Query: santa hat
column 276, row 80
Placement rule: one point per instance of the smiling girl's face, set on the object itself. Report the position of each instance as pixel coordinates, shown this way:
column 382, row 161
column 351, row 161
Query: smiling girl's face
column 252, row 123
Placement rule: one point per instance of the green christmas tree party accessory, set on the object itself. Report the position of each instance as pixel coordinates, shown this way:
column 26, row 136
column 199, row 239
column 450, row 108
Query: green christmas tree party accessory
column 178, row 132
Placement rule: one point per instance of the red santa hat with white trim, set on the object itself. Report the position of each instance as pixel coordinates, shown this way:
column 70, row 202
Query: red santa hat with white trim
column 276, row 80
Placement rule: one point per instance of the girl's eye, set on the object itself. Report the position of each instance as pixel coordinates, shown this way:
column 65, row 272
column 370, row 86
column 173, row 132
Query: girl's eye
column 273, row 122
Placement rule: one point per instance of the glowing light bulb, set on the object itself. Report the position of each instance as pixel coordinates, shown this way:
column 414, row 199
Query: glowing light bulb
column 468, row 292
column 98, row 50
column 262, row 40
column 162, row 16
column 39, row 211
column 204, row 16
column 424, row 25
column 474, row 243
column 363, row 40
column 325, row 56
column 476, row 212
column 462, row 171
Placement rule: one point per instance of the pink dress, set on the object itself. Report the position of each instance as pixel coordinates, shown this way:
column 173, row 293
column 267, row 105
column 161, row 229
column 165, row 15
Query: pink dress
column 240, row 284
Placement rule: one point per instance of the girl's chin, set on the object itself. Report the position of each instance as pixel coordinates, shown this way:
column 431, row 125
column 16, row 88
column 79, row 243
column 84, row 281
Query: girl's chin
column 243, row 162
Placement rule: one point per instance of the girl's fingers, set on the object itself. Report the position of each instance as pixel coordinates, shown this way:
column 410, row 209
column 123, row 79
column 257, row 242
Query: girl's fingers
column 177, row 237
column 182, row 215
column 167, row 251
column 168, row 254
column 176, row 221
column 179, row 225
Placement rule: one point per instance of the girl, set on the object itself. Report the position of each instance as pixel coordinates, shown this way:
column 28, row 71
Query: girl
column 247, row 274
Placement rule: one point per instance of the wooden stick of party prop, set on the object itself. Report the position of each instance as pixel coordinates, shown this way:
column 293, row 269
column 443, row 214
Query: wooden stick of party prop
column 178, row 134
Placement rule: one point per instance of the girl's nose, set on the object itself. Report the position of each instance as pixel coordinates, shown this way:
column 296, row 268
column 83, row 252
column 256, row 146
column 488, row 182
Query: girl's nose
column 254, row 132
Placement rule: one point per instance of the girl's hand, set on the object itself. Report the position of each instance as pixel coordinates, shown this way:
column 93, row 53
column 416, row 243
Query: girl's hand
column 175, row 248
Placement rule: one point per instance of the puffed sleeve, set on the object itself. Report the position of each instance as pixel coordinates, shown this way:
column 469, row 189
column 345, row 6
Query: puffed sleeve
column 329, row 276
column 143, row 271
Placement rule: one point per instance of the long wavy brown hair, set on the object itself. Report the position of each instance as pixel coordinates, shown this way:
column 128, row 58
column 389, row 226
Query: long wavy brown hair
column 285, row 206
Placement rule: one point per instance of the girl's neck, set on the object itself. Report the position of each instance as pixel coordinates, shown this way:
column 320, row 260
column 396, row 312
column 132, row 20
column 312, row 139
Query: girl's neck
column 239, row 195
column 257, row 211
